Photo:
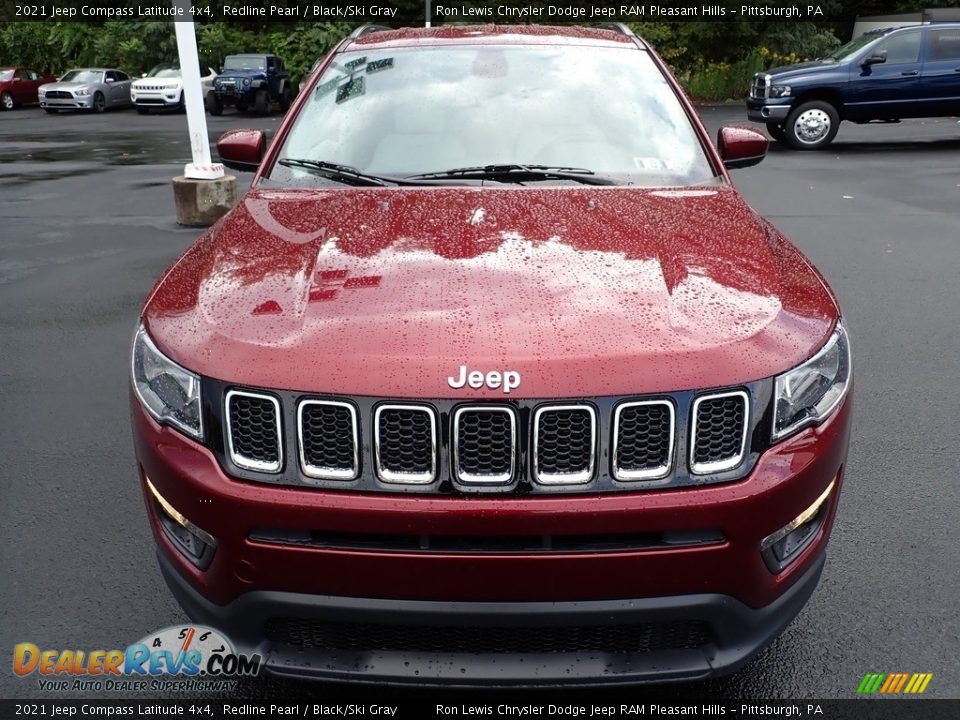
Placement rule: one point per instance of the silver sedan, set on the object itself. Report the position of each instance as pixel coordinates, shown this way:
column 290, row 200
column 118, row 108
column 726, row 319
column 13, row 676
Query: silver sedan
column 94, row 89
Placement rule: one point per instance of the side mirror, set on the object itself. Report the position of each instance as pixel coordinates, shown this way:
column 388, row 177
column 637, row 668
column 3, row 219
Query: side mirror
column 874, row 59
column 109, row 80
column 242, row 149
column 143, row 74
column 741, row 147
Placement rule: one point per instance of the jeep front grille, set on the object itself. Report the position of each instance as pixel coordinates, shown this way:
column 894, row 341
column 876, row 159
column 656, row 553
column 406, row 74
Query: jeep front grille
column 405, row 444
column 643, row 440
column 253, row 431
column 719, row 437
column 564, row 444
column 484, row 445
column 329, row 440
column 606, row 444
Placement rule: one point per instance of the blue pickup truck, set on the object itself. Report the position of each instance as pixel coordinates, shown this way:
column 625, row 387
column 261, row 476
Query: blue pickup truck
column 885, row 75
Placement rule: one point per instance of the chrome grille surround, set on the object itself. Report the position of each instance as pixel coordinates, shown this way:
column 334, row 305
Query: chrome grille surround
column 318, row 471
column 392, row 476
column 482, row 479
column 726, row 463
column 760, row 87
column 569, row 478
column 249, row 463
column 655, row 473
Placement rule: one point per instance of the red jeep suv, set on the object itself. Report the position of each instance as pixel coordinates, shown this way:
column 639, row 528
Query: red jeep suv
column 492, row 377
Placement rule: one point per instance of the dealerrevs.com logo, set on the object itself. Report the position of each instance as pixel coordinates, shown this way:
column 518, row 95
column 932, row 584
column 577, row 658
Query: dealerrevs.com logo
column 187, row 658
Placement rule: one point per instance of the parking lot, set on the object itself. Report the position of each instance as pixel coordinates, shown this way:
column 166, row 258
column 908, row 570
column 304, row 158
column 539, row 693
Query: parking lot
column 87, row 226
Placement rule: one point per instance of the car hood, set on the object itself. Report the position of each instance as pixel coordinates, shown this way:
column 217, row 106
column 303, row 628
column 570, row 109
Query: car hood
column 800, row 69
column 226, row 74
column 68, row 85
column 583, row 291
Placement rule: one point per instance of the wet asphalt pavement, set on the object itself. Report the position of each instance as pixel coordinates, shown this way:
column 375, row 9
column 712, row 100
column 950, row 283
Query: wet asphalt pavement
column 86, row 227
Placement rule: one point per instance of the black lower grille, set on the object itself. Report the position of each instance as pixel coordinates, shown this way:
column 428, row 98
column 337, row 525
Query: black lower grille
column 720, row 422
column 59, row 95
column 405, row 444
column 481, row 640
column 485, row 445
column 254, row 430
column 328, row 439
column 644, row 440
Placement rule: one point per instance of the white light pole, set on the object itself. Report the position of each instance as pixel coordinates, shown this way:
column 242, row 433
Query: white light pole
column 427, row 12
column 202, row 167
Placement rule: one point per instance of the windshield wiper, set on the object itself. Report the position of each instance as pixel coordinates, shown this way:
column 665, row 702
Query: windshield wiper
column 518, row 173
column 342, row 173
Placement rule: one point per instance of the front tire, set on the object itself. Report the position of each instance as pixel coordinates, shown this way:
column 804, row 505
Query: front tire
column 7, row 102
column 286, row 99
column 812, row 126
column 99, row 103
column 261, row 102
column 776, row 131
column 214, row 106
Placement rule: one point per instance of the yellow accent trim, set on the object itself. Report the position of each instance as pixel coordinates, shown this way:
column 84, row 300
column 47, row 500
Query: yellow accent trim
column 912, row 684
column 926, row 681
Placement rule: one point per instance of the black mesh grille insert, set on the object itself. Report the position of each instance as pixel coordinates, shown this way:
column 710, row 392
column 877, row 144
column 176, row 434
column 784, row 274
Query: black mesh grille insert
column 253, row 431
column 485, row 445
column 59, row 95
column 643, row 439
column 405, row 438
column 619, row 639
column 329, row 445
column 719, row 429
column 564, row 442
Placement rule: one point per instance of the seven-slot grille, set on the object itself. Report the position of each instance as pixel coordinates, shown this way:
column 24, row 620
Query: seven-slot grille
column 405, row 443
column 329, row 442
column 484, row 445
column 564, row 444
column 643, row 440
column 718, row 438
column 253, row 431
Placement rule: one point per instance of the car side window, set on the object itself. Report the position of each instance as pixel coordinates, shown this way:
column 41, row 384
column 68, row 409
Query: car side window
column 23, row 75
column 944, row 45
column 271, row 65
column 121, row 76
column 110, row 75
column 902, row 48
column 32, row 75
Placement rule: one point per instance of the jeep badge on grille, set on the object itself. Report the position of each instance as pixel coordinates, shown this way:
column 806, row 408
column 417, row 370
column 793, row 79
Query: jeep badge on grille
column 508, row 379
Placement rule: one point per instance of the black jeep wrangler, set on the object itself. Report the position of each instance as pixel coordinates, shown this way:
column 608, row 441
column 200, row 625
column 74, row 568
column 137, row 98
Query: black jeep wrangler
column 251, row 82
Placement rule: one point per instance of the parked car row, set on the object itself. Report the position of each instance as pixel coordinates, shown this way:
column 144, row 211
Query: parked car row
column 255, row 82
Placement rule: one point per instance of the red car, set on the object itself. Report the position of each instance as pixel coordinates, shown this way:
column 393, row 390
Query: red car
column 492, row 377
column 18, row 86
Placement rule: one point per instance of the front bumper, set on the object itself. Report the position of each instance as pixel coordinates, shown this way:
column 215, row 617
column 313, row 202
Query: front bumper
column 739, row 632
column 765, row 111
column 156, row 99
column 75, row 103
column 723, row 584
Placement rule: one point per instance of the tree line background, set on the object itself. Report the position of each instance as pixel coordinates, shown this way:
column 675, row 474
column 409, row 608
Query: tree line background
column 714, row 60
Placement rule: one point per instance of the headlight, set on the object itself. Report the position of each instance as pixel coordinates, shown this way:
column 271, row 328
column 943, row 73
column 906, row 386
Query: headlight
column 809, row 393
column 779, row 91
column 169, row 392
column 246, row 82
column 81, row 92
column 41, row 92
column 216, row 83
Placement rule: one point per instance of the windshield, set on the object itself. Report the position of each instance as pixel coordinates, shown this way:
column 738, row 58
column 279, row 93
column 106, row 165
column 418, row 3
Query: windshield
column 83, row 76
column 6, row 75
column 244, row 62
column 402, row 112
column 854, row 46
column 165, row 70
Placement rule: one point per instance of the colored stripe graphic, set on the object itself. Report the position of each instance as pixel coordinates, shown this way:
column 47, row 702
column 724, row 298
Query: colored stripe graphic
column 894, row 683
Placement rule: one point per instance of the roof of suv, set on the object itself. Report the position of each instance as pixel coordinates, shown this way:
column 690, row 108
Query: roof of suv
column 490, row 34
